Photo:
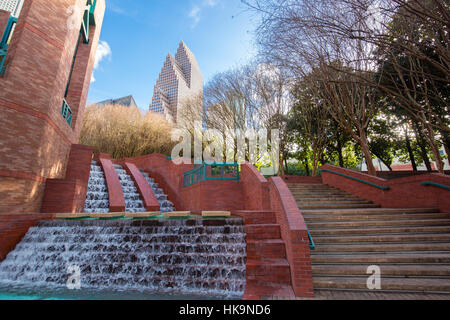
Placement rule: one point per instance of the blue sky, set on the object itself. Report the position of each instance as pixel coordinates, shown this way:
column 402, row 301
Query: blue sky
column 137, row 35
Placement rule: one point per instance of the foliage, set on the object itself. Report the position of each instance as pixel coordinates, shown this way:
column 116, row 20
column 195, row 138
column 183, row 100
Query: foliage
column 123, row 132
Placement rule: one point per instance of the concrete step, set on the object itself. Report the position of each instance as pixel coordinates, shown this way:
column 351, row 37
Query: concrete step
column 269, row 271
column 262, row 249
column 407, row 284
column 388, row 216
column 319, row 193
column 380, row 258
column 384, row 238
column 299, row 186
column 370, row 211
column 378, row 223
column 386, row 270
column 325, row 197
column 308, row 202
column 377, row 247
column 379, row 231
column 337, row 206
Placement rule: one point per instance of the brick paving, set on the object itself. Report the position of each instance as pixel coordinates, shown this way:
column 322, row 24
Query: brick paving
column 364, row 295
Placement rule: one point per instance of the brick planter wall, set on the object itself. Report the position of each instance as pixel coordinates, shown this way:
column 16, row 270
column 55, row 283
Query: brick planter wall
column 406, row 192
column 69, row 195
column 295, row 235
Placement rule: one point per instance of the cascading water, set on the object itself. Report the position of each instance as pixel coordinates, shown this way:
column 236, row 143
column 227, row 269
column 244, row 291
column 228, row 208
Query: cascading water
column 97, row 198
column 133, row 202
column 166, row 205
column 194, row 257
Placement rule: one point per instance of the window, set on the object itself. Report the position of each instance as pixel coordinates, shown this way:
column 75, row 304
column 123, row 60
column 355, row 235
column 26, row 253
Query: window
column 88, row 19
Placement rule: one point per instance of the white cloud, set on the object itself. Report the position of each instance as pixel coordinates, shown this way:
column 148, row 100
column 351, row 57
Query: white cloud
column 103, row 52
column 195, row 15
column 210, row 3
column 196, row 10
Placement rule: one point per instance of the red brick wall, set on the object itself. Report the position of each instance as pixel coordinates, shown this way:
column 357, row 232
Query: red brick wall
column 69, row 195
column 206, row 195
column 116, row 198
column 168, row 175
column 35, row 140
column 295, row 235
column 404, row 192
column 255, row 188
column 151, row 203
column 13, row 227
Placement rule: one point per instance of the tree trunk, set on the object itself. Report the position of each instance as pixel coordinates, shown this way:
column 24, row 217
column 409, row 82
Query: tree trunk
column 423, row 149
column 435, row 149
column 366, row 152
column 305, row 162
column 410, row 151
column 286, row 165
column 281, row 167
column 446, row 143
column 339, row 150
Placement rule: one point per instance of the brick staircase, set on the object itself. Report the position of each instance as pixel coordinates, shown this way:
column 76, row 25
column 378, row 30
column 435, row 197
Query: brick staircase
column 268, row 271
column 411, row 246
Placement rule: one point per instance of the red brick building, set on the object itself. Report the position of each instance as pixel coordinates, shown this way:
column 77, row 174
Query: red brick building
column 46, row 66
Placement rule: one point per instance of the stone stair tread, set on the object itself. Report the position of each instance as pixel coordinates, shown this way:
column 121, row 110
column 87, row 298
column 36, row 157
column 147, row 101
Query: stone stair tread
column 404, row 284
column 403, row 222
column 345, row 247
column 383, row 238
column 380, row 258
column 389, row 216
column 338, row 206
column 381, row 230
column 389, row 270
column 372, row 210
column 331, row 202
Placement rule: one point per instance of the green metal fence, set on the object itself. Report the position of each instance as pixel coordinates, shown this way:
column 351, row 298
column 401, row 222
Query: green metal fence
column 211, row 171
column 4, row 42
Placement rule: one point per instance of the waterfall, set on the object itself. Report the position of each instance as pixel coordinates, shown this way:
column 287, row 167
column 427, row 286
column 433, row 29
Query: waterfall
column 151, row 257
column 97, row 198
column 133, row 202
column 166, row 205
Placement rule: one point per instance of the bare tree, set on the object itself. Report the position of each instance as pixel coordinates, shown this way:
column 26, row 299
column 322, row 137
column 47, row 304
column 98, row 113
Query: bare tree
column 301, row 35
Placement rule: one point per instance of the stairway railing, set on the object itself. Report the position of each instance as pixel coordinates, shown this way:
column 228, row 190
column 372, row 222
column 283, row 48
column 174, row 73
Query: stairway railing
column 434, row 184
column 356, row 179
column 211, row 171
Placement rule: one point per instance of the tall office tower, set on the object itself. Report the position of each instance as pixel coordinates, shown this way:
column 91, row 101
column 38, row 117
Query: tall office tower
column 180, row 79
column 47, row 54
column 12, row 6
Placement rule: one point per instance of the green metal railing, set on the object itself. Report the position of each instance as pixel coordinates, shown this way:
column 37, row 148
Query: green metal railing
column 312, row 245
column 211, row 171
column 66, row 112
column 356, row 179
column 434, row 184
column 4, row 42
